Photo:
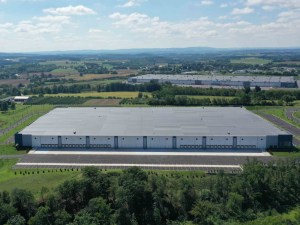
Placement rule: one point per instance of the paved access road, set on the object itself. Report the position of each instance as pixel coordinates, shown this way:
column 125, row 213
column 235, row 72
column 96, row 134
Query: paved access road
column 286, row 126
column 187, row 162
column 289, row 112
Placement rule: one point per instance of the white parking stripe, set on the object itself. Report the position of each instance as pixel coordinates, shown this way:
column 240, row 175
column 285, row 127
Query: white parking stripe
column 250, row 154
column 130, row 165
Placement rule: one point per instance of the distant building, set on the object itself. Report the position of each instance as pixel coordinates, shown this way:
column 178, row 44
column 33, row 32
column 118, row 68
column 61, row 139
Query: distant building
column 21, row 98
column 147, row 129
column 218, row 80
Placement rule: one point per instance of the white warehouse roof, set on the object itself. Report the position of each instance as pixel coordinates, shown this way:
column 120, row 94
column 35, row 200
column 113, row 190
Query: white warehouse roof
column 155, row 121
column 261, row 79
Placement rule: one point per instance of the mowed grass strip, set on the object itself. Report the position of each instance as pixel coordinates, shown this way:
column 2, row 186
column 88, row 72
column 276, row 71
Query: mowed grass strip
column 102, row 102
column 12, row 116
column 119, row 94
column 10, row 150
column 33, row 180
column 210, row 97
column 251, row 61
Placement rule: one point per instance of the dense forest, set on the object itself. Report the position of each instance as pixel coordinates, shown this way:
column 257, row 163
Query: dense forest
column 138, row 197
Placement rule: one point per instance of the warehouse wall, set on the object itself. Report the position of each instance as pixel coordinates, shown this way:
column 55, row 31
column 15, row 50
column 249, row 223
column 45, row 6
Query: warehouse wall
column 130, row 142
column 153, row 142
column 101, row 142
column 73, row 141
column 159, row 142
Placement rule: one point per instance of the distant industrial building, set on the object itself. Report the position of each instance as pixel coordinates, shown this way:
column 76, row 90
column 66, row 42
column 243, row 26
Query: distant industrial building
column 176, row 129
column 213, row 80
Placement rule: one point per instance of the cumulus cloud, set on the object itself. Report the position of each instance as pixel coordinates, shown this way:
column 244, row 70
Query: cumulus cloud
column 280, row 3
column 238, row 11
column 70, row 10
column 131, row 3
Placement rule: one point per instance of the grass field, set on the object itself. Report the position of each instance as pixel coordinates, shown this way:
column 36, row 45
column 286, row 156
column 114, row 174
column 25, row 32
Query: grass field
column 251, row 61
column 86, row 77
column 33, row 182
column 102, row 102
column 10, row 150
column 12, row 116
column 278, row 111
column 119, row 94
column 297, row 114
column 64, row 72
column 9, row 134
column 210, row 97
column 293, row 154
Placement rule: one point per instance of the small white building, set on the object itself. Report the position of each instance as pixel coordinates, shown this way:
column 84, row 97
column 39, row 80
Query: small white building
column 21, row 98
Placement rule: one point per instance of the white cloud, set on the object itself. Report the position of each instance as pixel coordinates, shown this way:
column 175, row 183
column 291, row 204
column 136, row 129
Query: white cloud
column 54, row 19
column 268, row 8
column 246, row 10
column 3, row 1
column 96, row 31
column 207, row 2
column 222, row 17
column 131, row 3
column 224, row 5
column 70, row 10
column 281, row 3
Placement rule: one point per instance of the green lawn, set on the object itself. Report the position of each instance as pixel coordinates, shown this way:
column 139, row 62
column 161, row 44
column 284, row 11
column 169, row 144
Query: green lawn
column 12, row 116
column 33, row 182
column 9, row 150
column 251, row 61
column 297, row 114
column 287, row 154
column 278, row 111
column 20, row 127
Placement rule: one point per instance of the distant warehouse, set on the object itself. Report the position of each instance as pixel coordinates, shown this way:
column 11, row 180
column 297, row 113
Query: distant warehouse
column 213, row 80
column 178, row 129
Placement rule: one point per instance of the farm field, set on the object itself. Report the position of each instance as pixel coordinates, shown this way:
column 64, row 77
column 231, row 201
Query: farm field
column 85, row 77
column 64, row 72
column 119, row 94
column 251, row 61
column 14, row 82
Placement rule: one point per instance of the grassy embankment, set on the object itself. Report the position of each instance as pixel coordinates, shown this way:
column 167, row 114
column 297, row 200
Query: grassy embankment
column 9, row 119
column 35, row 179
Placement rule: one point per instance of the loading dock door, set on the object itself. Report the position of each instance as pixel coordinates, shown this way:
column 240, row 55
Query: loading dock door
column 174, row 143
column 145, row 142
column 234, row 144
column 88, row 141
column 204, row 142
column 116, row 144
column 59, row 142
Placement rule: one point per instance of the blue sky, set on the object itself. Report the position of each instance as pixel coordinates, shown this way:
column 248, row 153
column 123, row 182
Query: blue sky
column 45, row 25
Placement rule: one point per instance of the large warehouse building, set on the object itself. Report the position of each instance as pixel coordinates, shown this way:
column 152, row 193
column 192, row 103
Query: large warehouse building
column 213, row 80
column 178, row 129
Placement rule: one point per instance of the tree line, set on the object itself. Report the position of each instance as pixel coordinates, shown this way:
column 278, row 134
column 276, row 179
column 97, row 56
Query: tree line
column 138, row 197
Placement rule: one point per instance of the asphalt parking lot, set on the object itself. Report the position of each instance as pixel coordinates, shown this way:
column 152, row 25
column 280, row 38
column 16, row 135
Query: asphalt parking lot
column 170, row 162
